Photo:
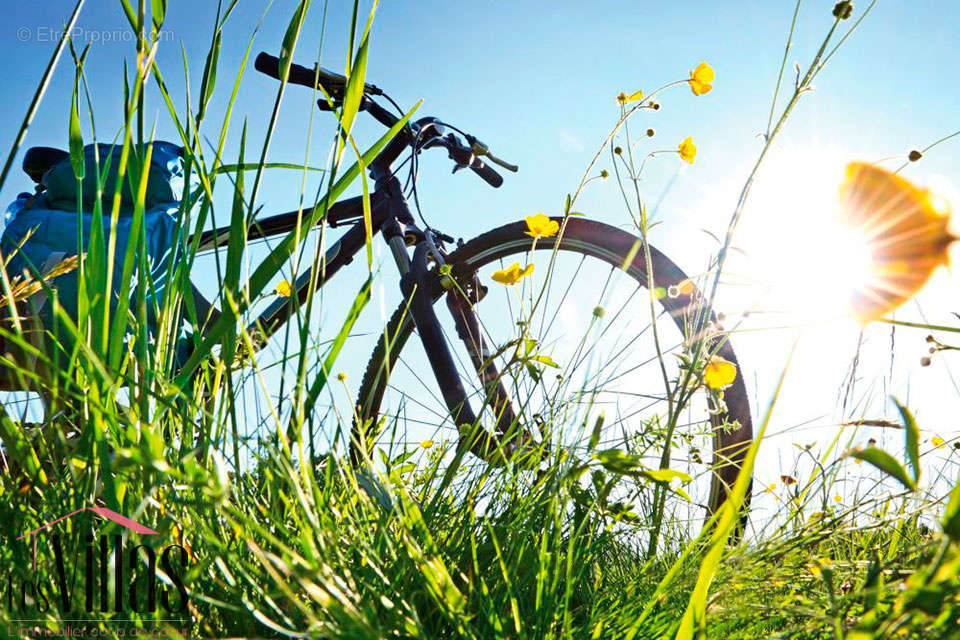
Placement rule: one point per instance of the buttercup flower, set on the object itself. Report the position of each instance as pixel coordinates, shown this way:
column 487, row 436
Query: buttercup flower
column 623, row 98
column 284, row 289
column 541, row 226
column 512, row 274
column 426, row 444
column 719, row 373
column 936, row 441
column 688, row 150
column 906, row 235
column 701, row 79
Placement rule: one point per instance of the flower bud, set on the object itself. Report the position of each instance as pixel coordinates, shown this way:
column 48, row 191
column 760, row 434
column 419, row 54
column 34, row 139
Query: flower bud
column 914, row 155
column 617, row 150
column 925, row 361
column 843, row 9
column 604, row 174
column 650, row 133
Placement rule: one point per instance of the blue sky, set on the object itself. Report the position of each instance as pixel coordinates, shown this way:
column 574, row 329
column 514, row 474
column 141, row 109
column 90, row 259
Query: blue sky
column 537, row 81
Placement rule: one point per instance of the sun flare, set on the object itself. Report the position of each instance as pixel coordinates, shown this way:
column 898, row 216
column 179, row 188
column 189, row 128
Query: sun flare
column 807, row 262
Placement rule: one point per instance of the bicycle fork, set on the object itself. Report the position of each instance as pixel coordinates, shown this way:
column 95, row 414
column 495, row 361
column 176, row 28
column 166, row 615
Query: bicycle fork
column 416, row 288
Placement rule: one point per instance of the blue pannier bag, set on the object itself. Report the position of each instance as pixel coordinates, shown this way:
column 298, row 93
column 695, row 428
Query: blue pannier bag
column 43, row 228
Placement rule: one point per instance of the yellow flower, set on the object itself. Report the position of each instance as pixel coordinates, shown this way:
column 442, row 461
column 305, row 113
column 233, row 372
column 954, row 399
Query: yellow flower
column 769, row 489
column 284, row 289
column 341, row 376
column 905, row 233
column 541, row 226
column 623, row 98
column 719, row 373
column 937, row 441
column 837, row 499
column 688, row 150
column 701, row 79
column 426, row 444
column 512, row 274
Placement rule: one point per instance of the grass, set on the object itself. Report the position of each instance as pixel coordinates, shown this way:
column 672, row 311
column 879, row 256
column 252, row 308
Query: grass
column 282, row 539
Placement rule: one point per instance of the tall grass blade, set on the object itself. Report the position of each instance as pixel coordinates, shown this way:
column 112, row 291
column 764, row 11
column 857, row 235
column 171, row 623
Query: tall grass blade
column 886, row 463
column 359, row 302
column 39, row 93
column 912, row 438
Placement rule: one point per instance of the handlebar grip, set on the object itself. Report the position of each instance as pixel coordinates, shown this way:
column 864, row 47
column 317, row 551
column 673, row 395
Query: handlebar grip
column 298, row 74
column 332, row 83
column 489, row 176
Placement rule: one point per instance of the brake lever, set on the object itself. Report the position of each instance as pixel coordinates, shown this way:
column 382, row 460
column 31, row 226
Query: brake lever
column 481, row 149
column 506, row 165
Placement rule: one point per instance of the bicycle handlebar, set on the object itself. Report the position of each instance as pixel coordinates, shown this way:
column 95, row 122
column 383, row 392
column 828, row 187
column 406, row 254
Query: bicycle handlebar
column 318, row 77
column 334, row 84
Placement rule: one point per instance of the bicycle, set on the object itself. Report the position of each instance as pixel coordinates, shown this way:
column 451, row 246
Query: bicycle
column 498, row 398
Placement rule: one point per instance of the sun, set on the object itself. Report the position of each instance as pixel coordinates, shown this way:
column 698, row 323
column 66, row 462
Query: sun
column 803, row 260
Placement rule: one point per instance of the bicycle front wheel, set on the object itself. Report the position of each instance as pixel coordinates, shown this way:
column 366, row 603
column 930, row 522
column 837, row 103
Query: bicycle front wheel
column 578, row 344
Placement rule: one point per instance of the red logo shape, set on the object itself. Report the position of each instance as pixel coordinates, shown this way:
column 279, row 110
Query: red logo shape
column 103, row 512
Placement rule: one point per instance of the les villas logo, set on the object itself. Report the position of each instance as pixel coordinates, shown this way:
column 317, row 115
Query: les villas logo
column 134, row 572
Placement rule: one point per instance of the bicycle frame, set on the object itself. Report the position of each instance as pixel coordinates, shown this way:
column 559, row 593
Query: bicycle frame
column 391, row 216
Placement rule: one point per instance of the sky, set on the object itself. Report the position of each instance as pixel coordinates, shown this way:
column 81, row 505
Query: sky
column 537, row 82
